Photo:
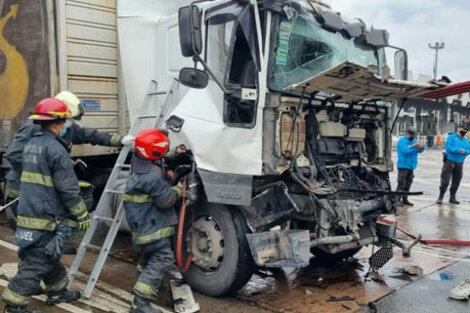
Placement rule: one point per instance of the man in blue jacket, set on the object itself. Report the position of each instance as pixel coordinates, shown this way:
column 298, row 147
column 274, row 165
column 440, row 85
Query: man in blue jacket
column 457, row 149
column 408, row 149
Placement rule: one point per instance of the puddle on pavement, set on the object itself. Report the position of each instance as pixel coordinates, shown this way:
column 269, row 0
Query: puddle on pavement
column 332, row 287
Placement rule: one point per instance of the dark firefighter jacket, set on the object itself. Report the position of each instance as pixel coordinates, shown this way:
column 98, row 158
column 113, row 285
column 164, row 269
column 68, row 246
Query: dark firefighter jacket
column 75, row 135
column 49, row 188
column 149, row 203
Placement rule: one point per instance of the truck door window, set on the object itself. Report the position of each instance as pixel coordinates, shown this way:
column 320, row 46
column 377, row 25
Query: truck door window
column 240, row 111
column 218, row 47
column 231, row 56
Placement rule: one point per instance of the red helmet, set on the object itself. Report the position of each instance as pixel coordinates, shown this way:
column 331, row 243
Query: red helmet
column 152, row 144
column 50, row 109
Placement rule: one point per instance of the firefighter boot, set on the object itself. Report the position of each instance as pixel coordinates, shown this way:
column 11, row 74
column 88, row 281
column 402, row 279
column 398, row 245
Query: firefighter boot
column 440, row 200
column 141, row 305
column 407, row 202
column 10, row 308
column 453, row 199
column 64, row 296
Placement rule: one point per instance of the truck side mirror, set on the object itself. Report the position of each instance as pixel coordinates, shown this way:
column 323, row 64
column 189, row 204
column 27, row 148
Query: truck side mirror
column 189, row 23
column 193, row 77
column 401, row 64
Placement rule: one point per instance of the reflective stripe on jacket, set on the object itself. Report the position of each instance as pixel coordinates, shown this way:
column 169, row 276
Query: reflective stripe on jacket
column 454, row 145
column 149, row 203
column 49, row 188
column 407, row 153
column 75, row 135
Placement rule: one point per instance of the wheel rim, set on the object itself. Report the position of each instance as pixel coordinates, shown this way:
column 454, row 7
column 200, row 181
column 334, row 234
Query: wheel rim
column 206, row 243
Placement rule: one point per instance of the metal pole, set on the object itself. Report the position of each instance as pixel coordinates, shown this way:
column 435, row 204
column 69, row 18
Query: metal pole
column 62, row 43
column 437, row 46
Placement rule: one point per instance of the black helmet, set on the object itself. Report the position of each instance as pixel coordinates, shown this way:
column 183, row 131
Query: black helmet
column 411, row 130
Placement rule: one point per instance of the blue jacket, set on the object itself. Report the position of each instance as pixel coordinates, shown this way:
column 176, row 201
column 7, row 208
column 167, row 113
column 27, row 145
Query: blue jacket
column 49, row 189
column 149, row 203
column 454, row 144
column 407, row 153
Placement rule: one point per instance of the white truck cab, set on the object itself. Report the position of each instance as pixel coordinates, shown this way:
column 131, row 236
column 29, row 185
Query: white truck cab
column 285, row 108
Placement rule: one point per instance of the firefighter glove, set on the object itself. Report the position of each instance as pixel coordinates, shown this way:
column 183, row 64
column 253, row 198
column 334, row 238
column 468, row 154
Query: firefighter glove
column 128, row 140
column 84, row 221
column 178, row 190
column 55, row 247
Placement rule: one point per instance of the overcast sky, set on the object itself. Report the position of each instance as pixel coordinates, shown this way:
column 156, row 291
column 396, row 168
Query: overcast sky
column 413, row 24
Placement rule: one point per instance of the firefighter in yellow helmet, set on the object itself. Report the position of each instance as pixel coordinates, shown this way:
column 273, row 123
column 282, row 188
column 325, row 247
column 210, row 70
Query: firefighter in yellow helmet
column 72, row 134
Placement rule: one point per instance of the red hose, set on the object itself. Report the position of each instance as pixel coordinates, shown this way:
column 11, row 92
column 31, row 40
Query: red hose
column 182, row 266
column 452, row 242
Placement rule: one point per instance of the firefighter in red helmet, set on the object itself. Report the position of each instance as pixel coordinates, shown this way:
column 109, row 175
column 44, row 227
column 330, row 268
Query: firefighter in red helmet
column 149, row 204
column 49, row 193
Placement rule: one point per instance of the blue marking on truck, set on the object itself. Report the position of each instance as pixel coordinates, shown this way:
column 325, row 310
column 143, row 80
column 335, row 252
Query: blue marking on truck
column 91, row 105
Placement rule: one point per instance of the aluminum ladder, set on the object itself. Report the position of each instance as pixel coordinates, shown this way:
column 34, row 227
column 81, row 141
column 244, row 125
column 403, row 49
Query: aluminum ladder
column 111, row 191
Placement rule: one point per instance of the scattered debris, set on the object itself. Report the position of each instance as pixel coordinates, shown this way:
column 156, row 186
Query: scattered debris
column 403, row 276
column 372, row 308
column 339, row 299
column 183, row 298
column 263, row 274
column 375, row 276
column 461, row 292
column 446, row 275
column 413, row 270
column 308, row 292
column 320, row 283
column 346, row 307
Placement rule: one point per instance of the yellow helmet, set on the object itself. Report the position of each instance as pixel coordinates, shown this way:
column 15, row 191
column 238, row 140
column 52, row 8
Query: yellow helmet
column 73, row 103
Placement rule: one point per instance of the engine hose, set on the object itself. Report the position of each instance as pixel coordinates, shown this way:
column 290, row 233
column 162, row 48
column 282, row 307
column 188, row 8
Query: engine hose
column 451, row 242
column 182, row 266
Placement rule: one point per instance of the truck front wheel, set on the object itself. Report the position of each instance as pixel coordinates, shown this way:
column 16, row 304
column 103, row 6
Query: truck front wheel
column 222, row 261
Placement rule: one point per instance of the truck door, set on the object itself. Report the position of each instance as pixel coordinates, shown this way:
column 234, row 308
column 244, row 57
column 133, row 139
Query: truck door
column 231, row 53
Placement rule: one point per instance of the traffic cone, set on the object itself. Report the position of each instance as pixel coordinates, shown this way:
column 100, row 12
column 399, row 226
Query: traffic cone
column 439, row 139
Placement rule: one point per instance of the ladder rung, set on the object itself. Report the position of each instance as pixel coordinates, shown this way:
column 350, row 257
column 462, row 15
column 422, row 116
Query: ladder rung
column 103, row 218
column 93, row 247
column 120, row 167
column 114, row 191
column 156, row 93
column 147, row 116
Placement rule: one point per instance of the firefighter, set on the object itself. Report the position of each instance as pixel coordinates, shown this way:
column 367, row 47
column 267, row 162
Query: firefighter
column 72, row 134
column 149, row 204
column 49, row 192
column 457, row 149
column 408, row 149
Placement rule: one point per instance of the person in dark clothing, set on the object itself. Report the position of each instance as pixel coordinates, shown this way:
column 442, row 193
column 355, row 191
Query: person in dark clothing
column 149, row 204
column 408, row 149
column 49, row 193
column 72, row 134
column 457, row 149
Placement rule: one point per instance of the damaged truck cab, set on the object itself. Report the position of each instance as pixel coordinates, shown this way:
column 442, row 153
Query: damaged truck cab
column 287, row 114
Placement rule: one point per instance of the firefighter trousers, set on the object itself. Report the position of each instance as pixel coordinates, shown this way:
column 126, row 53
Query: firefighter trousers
column 157, row 258
column 35, row 266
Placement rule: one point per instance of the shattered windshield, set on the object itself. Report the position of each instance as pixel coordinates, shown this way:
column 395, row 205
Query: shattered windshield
column 301, row 48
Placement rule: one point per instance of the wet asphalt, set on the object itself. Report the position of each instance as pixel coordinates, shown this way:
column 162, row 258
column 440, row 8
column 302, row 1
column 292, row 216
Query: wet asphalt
column 342, row 287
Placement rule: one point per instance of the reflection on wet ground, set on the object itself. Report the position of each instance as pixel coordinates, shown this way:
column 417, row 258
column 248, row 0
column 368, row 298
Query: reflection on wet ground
column 337, row 287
